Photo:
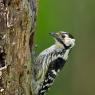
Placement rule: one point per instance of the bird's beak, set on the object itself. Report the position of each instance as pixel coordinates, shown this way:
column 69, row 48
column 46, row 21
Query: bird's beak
column 54, row 34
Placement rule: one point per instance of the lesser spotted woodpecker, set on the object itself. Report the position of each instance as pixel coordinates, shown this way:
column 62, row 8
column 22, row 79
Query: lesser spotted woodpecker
column 50, row 61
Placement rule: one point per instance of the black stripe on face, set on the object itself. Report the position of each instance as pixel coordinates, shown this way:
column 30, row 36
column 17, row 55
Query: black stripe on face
column 66, row 47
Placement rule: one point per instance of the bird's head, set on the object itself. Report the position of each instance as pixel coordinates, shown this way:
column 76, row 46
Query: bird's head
column 64, row 39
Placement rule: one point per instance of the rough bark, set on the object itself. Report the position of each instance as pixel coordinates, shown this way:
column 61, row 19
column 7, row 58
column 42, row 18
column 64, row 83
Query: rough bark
column 17, row 23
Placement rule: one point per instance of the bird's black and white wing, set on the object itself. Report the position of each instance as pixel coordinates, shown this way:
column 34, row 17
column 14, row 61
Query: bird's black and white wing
column 54, row 67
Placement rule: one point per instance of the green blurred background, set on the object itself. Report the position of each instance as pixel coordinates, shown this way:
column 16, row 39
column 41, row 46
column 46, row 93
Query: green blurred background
column 78, row 18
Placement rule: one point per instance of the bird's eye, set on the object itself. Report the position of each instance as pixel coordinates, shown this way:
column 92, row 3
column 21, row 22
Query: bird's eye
column 68, row 35
column 63, row 36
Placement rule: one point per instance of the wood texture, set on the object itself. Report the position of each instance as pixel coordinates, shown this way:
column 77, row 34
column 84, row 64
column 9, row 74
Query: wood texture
column 17, row 27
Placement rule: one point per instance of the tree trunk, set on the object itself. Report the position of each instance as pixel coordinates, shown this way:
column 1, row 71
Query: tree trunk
column 17, row 25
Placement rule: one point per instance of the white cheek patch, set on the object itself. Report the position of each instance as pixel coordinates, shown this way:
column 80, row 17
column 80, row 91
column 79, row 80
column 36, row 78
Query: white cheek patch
column 69, row 41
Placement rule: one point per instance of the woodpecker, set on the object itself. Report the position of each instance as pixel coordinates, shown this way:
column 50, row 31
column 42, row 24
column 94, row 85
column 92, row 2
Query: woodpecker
column 50, row 61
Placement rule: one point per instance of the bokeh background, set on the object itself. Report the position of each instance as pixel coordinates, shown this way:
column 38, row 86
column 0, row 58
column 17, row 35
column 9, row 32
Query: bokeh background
column 78, row 18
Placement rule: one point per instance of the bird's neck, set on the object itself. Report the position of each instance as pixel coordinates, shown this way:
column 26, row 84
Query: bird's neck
column 56, row 51
column 59, row 45
column 61, row 52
